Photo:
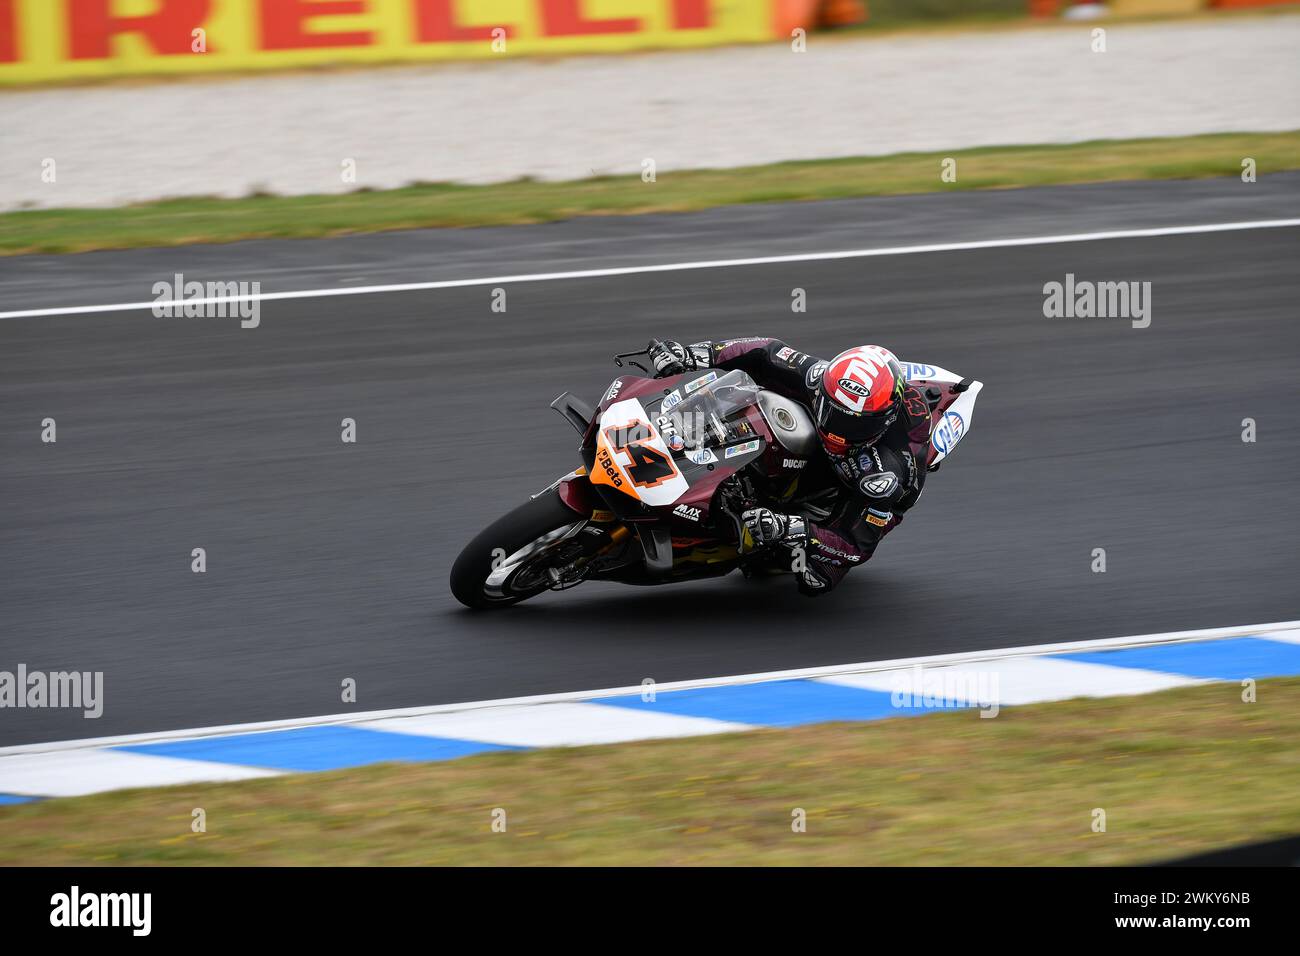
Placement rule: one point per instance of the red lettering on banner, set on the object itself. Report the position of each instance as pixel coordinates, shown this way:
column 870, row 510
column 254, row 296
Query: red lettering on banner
column 563, row 18
column 691, row 15
column 8, row 32
column 92, row 25
column 435, row 22
column 284, row 24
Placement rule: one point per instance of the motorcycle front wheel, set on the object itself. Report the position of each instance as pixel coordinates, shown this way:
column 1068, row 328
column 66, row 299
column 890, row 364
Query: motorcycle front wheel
column 509, row 560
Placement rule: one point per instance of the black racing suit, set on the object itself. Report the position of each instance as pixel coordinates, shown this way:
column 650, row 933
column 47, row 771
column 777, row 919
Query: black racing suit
column 853, row 500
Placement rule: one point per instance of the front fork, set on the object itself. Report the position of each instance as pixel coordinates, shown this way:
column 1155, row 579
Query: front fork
column 575, row 492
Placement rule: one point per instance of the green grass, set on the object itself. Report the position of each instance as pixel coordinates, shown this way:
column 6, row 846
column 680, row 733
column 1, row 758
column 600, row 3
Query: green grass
column 894, row 13
column 1178, row 772
column 183, row 221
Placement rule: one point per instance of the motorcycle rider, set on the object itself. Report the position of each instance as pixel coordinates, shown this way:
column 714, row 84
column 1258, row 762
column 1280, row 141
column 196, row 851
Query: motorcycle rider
column 874, row 428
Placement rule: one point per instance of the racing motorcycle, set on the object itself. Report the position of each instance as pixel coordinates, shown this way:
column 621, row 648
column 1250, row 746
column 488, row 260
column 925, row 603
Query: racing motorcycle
column 668, row 467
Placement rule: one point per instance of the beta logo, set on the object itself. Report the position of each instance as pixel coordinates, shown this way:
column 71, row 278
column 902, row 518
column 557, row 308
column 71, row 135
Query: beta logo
column 606, row 462
column 947, row 432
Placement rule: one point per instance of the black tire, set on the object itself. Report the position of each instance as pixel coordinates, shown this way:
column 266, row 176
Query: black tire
column 518, row 529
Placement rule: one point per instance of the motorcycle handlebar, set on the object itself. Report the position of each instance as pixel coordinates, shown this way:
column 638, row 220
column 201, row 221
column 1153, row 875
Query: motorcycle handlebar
column 618, row 359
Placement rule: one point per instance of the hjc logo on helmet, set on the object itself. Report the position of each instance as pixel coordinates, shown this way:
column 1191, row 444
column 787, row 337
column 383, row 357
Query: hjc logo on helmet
column 855, row 373
column 857, row 397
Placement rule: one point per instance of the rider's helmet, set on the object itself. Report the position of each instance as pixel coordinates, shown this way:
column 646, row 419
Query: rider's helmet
column 859, row 395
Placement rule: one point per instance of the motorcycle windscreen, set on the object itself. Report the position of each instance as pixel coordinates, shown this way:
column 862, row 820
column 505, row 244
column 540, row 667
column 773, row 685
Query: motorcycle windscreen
column 648, row 450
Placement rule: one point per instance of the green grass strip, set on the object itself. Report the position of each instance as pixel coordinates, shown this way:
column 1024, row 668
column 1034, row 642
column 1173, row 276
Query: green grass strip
column 194, row 220
column 1178, row 772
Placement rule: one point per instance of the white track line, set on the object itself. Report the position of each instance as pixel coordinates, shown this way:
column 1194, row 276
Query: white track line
column 965, row 657
column 670, row 267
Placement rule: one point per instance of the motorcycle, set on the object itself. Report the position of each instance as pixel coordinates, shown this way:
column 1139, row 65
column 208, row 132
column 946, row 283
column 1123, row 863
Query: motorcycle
column 668, row 467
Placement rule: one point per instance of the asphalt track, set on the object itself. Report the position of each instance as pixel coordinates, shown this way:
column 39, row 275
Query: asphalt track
column 328, row 561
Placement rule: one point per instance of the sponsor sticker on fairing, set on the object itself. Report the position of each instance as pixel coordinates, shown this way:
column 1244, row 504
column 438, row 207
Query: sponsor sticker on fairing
column 606, row 463
column 687, row 512
column 700, row 382
column 701, row 456
column 671, row 401
column 668, row 431
column 916, row 370
column 948, row 431
column 744, row 449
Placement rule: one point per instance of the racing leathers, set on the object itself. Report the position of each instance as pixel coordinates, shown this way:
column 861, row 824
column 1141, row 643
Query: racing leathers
column 846, row 502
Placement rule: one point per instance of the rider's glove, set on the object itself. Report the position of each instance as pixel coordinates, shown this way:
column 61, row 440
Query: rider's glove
column 763, row 527
column 670, row 358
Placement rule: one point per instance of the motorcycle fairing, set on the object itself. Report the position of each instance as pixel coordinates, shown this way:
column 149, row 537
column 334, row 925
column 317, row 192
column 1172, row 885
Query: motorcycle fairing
column 951, row 418
column 632, row 457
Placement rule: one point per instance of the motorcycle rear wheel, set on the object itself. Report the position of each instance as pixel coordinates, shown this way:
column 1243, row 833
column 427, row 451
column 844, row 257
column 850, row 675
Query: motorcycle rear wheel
column 507, row 561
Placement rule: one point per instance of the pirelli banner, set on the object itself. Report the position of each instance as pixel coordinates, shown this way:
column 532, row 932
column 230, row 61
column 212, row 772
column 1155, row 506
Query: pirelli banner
column 52, row 40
